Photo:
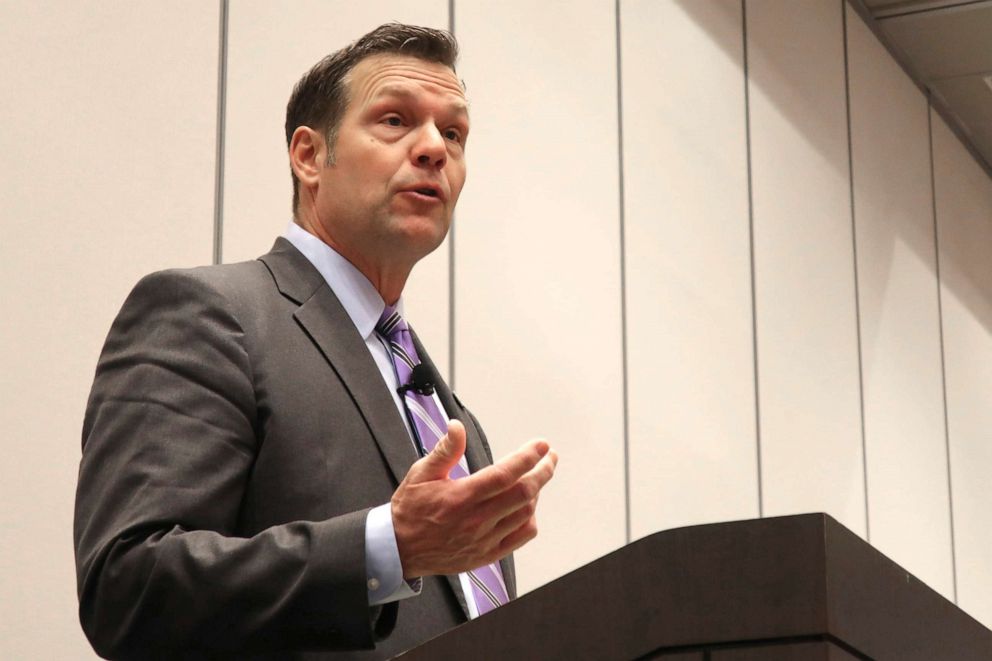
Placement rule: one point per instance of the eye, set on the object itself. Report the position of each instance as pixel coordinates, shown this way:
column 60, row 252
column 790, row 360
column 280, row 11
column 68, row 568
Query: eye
column 453, row 135
column 393, row 120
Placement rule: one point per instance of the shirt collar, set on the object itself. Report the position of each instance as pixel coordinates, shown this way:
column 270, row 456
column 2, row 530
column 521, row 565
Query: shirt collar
column 358, row 296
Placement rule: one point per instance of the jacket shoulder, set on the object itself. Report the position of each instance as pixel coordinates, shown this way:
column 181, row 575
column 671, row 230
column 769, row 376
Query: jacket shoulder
column 222, row 278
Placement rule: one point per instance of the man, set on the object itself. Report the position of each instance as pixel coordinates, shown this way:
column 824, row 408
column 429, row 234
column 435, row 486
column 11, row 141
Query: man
column 250, row 481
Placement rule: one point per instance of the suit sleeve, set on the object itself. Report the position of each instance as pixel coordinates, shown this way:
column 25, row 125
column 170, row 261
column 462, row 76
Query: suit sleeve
column 169, row 440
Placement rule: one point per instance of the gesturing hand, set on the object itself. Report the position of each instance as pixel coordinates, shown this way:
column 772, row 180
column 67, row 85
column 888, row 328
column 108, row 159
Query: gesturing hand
column 446, row 526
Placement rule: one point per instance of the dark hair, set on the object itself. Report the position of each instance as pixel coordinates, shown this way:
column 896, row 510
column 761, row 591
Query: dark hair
column 320, row 97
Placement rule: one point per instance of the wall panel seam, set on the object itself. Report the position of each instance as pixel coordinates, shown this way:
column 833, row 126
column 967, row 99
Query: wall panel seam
column 451, row 256
column 750, row 222
column 623, row 282
column 943, row 370
column 218, row 234
column 854, row 251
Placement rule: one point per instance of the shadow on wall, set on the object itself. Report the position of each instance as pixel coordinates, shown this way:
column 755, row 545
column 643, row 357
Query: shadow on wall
column 964, row 202
column 965, row 228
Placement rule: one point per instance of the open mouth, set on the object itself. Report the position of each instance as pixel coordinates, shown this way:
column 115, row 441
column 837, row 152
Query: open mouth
column 430, row 192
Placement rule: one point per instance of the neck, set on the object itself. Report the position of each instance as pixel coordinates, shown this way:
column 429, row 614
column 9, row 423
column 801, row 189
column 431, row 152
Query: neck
column 388, row 284
column 388, row 279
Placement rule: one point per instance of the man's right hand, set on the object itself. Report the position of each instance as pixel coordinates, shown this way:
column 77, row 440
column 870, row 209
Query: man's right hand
column 446, row 526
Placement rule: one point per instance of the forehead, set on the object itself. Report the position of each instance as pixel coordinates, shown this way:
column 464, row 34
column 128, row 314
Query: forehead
column 387, row 74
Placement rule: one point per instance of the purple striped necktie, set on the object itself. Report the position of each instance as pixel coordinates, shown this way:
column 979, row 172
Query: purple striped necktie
column 429, row 424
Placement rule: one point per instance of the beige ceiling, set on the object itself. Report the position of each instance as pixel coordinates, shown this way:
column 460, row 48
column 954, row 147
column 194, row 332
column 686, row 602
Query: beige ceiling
column 946, row 45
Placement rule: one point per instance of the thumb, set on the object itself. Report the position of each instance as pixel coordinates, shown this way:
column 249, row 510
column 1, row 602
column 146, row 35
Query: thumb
column 446, row 453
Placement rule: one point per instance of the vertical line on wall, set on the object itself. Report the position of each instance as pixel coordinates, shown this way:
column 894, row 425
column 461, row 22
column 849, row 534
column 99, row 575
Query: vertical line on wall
column 623, row 282
column 750, row 225
column 451, row 304
column 854, row 251
column 451, row 256
column 943, row 371
column 221, row 119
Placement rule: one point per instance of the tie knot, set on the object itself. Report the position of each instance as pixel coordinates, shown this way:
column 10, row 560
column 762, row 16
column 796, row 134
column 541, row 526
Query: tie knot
column 390, row 322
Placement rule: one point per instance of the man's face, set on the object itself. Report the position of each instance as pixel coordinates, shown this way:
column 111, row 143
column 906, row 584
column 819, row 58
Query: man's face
column 398, row 162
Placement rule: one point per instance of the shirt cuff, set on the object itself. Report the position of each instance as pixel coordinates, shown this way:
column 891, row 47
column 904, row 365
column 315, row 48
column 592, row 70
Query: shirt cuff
column 383, row 569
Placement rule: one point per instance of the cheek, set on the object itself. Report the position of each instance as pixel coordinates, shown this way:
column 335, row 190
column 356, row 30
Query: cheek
column 457, row 180
column 372, row 179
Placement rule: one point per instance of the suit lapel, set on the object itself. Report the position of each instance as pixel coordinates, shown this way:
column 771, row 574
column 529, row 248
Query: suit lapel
column 328, row 325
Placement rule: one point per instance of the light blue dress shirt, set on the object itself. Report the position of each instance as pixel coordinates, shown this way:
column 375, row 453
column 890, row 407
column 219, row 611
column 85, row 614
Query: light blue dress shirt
column 364, row 306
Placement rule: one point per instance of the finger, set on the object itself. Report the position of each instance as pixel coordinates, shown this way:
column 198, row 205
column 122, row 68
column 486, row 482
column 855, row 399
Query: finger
column 520, row 493
column 444, row 455
column 507, row 471
column 513, row 520
column 518, row 537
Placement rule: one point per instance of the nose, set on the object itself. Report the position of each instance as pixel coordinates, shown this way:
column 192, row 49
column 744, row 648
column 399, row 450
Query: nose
column 430, row 149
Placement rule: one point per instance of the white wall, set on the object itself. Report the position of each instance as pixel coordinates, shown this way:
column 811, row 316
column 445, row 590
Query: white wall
column 905, row 439
column 537, row 259
column 108, row 153
column 963, row 196
column 716, row 261
column 690, row 360
column 805, row 305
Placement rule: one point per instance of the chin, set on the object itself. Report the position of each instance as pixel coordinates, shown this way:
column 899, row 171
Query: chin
column 425, row 233
column 426, row 246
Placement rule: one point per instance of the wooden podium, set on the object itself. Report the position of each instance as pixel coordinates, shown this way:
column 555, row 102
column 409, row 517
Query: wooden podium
column 794, row 587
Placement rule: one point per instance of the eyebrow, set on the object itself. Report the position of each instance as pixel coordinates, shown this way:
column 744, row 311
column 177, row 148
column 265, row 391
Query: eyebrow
column 404, row 92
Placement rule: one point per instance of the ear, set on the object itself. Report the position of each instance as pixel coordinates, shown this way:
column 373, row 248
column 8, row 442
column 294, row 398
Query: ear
column 307, row 155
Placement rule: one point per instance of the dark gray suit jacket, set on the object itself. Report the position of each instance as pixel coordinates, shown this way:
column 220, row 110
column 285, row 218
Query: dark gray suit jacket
column 236, row 435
